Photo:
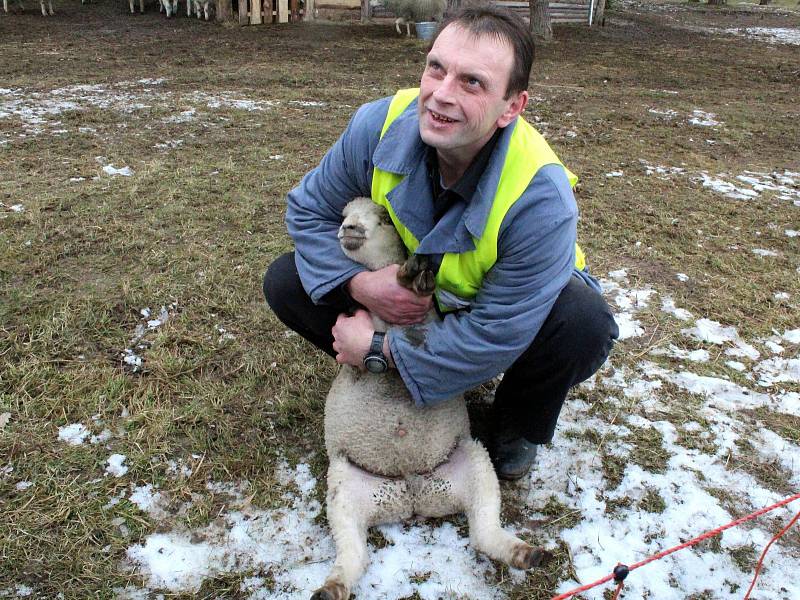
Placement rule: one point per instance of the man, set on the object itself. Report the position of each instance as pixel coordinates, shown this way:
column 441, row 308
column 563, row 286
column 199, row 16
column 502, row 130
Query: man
column 471, row 185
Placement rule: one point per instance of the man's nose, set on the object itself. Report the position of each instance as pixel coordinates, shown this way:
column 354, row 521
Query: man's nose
column 444, row 92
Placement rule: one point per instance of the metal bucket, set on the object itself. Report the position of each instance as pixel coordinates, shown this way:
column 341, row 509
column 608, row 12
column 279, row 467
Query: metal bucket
column 426, row 29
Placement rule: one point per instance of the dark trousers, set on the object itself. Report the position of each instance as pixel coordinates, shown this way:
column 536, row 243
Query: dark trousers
column 571, row 345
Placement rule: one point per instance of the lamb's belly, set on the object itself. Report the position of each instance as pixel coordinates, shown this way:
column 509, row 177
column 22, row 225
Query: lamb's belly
column 372, row 421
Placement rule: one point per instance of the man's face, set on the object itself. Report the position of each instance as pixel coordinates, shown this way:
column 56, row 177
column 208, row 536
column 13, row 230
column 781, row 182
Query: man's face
column 461, row 101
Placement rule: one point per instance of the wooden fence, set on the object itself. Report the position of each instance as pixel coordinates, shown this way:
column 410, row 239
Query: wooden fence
column 256, row 12
column 561, row 11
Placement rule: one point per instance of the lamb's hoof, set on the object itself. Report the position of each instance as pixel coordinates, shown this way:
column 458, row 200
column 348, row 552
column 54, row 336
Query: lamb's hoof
column 527, row 557
column 416, row 275
column 331, row 591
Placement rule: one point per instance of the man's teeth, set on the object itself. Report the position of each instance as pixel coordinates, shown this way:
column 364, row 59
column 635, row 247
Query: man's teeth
column 442, row 118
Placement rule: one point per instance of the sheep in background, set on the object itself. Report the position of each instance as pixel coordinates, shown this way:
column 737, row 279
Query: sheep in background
column 415, row 11
column 209, row 6
column 171, row 8
column 141, row 6
column 22, row 8
column 390, row 460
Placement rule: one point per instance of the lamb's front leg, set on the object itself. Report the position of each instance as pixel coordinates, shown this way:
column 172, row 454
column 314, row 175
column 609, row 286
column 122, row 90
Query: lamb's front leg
column 356, row 500
column 474, row 485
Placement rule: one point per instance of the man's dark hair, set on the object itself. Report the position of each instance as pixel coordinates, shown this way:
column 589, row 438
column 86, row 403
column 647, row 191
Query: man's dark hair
column 505, row 26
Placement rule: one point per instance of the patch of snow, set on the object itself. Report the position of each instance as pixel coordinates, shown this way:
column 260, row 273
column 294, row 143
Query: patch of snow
column 74, row 434
column 615, row 174
column 704, row 119
column 308, row 103
column 666, row 113
column 668, row 306
column 628, row 326
column 775, row 370
column 618, row 274
column 115, row 465
column 182, row 117
column 762, row 252
column 771, row 35
column 124, row 171
column 673, row 351
column 103, row 436
column 727, row 188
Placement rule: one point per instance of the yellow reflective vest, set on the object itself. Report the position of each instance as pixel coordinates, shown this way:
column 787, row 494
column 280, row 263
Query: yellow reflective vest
column 461, row 274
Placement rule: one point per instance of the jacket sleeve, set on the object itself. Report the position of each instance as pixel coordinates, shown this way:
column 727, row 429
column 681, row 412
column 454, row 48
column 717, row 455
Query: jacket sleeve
column 314, row 207
column 536, row 253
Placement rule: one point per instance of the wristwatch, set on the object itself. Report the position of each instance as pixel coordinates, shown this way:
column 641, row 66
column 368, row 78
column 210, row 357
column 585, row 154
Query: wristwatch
column 375, row 360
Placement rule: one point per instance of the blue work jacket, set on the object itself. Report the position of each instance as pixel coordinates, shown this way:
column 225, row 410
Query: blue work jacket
column 536, row 250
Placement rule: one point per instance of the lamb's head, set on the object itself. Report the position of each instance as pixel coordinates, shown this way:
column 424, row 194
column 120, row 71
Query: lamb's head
column 368, row 236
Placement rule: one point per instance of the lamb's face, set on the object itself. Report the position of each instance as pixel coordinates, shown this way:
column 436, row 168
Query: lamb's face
column 365, row 230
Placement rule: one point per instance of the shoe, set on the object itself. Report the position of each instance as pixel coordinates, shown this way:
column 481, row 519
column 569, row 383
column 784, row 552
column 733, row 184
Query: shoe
column 513, row 458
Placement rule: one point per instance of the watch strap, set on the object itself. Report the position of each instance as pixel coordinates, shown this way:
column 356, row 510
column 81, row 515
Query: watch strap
column 376, row 346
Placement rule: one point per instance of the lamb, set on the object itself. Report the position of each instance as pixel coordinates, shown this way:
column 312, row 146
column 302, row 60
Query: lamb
column 171, row 7
column 141, row 6
column 208, row 6
column 415, row 11
column 41, row 2
column 390, row 460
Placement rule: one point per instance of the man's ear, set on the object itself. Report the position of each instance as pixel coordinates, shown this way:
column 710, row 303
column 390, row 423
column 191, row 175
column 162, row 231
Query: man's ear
column 517, row 104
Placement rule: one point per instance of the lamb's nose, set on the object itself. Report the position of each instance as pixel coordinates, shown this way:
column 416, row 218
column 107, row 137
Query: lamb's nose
column 353, row 228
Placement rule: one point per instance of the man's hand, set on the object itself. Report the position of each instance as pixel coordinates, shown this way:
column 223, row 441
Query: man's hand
column 352, row 337
column 382, row 295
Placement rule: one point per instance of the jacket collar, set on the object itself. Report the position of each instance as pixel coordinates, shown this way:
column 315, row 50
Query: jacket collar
column 402, row 151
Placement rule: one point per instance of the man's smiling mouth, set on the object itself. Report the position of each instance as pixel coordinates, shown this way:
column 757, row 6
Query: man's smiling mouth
column 441, row 118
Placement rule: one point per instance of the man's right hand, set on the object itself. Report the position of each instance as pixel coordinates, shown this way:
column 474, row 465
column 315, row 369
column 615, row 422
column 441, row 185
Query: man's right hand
column 379, row 292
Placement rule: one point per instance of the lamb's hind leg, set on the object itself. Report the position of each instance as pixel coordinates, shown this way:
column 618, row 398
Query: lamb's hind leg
column 416, row 275
column 356, row 500
column 474, row 486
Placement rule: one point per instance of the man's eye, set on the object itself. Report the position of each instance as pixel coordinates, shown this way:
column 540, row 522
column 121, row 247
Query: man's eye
column 472, row 82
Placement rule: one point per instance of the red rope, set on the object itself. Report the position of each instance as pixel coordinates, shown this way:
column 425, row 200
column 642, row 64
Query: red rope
column 764, row 553
column 692, row 542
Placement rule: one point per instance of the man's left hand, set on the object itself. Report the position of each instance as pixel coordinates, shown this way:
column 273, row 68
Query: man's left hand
column 352, row 337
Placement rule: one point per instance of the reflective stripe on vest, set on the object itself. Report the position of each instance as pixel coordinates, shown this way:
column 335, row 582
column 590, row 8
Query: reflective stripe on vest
column 461, row 274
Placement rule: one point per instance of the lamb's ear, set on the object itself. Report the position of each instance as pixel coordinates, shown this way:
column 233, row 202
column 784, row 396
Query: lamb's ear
column 385, row 218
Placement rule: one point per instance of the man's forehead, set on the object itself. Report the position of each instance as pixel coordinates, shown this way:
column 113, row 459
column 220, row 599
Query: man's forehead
column 455, row 31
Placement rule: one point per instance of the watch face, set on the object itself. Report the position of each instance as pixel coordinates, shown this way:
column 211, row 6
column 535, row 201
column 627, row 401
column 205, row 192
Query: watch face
column 375, row 364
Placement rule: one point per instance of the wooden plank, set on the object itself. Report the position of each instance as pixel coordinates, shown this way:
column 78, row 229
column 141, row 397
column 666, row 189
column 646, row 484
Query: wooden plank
column 283, row 11
column 255, row 12
column 560, row 4
column 243, row 18
column 309, row 10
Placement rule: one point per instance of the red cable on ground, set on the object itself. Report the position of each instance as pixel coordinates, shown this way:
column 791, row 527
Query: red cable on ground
column 619, row 577
column 764, row 553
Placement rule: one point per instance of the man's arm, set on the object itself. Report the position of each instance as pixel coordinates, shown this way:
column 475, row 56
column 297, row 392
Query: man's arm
column 314, row 207
column 442, row 359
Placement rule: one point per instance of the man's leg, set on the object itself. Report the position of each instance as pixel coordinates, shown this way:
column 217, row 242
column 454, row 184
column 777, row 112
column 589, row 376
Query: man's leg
column 292, row 305
column 572, row 344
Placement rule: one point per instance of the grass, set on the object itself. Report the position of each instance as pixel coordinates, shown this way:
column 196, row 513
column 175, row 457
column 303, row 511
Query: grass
column 198, row 224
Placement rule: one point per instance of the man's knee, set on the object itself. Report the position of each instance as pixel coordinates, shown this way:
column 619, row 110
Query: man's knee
column 281, row 282
column 585, row 323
